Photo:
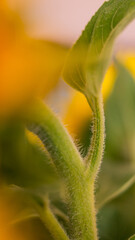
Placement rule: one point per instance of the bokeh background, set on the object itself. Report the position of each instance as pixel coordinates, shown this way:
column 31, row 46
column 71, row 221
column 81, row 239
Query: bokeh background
column 35, row 38
column 63, row 20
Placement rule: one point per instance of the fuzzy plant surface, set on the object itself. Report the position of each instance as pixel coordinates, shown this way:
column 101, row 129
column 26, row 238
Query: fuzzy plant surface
column 59, row 183
column 84, row 70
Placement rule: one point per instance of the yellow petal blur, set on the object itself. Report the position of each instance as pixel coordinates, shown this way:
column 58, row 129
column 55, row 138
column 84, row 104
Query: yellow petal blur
column 28, row 67
column 78, row 112
column 8, row 212
column 128, row 59
column 108, row 82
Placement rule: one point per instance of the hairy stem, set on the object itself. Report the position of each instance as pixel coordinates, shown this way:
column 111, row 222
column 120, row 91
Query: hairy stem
column 84, row 219
column 57, row 141
column 69, row 165
column 52, row 224
column 94, row 157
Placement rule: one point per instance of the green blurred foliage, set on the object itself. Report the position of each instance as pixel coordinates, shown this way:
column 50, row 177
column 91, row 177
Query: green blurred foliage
column 19, row 217
column 25, row 163
column 120, row 118
column 28, row 173
column 132, row 237
column 116, row 219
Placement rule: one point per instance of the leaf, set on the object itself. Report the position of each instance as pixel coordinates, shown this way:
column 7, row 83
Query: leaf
column 25, row 163
column 88, row 60
column 120, row 191
column 120, row 118
column 116, row 219
column 21, row 202
column 114, row 180
column 19, row 218
column 132, row 237
column 118, row 166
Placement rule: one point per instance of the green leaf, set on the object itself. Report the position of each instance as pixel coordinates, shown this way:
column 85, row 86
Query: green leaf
column 116, row 219
column 120, row 118
column 132, row 237
column 89, row 58
column 25, row 163
column 22, row 202
column 114, row 180
column 19, row 215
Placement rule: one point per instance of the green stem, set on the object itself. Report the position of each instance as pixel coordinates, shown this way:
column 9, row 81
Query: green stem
column 94, row 157
column 52, row 224
column 132, row 237
column 57, row 141
column 61, row 214
column 69, row 165
column 84, row 222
